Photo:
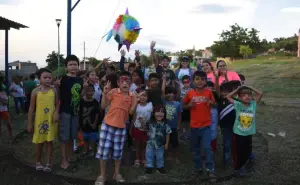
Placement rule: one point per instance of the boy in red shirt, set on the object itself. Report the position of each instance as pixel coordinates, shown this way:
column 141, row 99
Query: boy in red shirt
column 199, row 101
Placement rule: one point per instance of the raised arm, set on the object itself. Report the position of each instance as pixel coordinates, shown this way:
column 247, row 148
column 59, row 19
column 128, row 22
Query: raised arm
column 258, row 93
column 230, row 96
column 122, row 60
column 153, row 54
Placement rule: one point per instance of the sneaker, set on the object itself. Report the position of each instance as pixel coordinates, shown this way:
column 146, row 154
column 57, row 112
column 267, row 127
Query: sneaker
column 100, row 181
column 161, row 170
column 212, row 177
column 118, row 178
column 149, row 170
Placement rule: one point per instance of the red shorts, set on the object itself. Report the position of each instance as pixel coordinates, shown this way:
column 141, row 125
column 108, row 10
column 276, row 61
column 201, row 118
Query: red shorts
column 139, row 135
column 4, row 115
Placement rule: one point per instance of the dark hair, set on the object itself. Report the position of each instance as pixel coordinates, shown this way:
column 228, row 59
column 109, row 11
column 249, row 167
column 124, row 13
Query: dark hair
column 209, row 63
column 210, row 84
column 182, row 59
column 91, row 86
column 226, row 87
column 32, row 76
column 80, row 73
column 244, row 90
column 124, row 73
column 71, row 58
column 242, row 77
column 218, row 62
column 170, row 89
column 131, row 65
column 1, row 83
column 112, row 67
column 200, row 74
column 140, row 74
column 43, row 70
column 165, row 57
column 141, row 89
column 185, row 77
column 113, row 78
column 154, row 75
column 90, row 71
column 157, row 108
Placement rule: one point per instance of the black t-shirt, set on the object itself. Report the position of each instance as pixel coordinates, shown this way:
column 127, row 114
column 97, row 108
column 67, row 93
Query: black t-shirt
column 87, row 115
column 226, row 113
column 70, row 89
column 170, row 75
column 154, row 96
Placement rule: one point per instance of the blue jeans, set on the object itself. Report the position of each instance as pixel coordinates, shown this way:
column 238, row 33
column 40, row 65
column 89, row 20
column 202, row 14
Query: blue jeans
column 152, row 153
column 201, row 137
column 227, row 142
column 19, row 103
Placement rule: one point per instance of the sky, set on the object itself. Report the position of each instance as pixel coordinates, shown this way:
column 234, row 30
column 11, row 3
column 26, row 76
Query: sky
column 173, row 24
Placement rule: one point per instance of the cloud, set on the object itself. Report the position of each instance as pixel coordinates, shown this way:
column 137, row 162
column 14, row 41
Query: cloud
column 9, row 2
column 291, row 10
column 215, row 8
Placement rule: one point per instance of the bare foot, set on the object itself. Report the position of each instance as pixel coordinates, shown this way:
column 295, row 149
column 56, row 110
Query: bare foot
column 64, row 165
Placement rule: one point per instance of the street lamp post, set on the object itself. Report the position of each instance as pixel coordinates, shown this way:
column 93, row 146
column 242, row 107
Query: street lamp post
column 58, row 21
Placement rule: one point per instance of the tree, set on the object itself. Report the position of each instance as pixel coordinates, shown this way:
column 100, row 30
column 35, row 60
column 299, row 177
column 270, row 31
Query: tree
column 94, row 62
column 52, row 60
column 245, row 51
column 145, row 60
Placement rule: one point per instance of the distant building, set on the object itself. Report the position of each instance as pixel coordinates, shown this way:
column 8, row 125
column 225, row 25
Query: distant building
column 18, row 68
column 207, row 53
column 88, row 65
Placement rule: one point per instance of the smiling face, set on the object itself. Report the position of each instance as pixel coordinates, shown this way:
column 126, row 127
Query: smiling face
column 165, row 63
column 206, row 67
column 199, row 82
column 93, row 77
column 185, row 63
column 143, row 97
column 159, row 115
column 153, row 83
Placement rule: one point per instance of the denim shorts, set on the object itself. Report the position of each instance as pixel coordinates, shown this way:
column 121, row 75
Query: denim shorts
column 68, row 127
column 91, row 136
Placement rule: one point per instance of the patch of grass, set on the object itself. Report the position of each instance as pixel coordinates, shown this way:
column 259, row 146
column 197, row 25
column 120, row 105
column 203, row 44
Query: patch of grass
column 275, row 77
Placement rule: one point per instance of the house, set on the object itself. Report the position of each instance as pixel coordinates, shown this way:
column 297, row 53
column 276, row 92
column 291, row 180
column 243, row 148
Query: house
column 88, row 65
column 18, row 68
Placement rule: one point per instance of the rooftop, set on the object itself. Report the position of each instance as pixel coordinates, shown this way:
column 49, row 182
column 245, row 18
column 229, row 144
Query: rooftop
column 6, row 24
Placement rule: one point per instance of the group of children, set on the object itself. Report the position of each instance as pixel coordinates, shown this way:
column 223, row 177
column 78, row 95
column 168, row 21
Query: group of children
column 154, row 112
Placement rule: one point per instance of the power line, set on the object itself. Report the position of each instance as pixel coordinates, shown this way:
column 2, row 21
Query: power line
column 107, row 27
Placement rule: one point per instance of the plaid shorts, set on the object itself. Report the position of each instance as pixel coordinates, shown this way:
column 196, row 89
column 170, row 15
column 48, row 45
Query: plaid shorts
column 111, row 139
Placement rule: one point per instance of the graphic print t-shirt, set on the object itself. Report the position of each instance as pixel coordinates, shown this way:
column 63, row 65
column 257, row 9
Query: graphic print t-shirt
column 200, row 113
column 170, row 75
column 70, row 89
column 172, row 109
column 244, row 124
column 87, row 115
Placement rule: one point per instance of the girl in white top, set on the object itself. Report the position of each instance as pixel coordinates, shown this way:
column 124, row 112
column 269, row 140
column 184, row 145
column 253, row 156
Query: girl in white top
column 142, row 115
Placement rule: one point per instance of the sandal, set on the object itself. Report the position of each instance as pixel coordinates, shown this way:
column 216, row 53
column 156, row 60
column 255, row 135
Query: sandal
column 137, row 163
column 39, row 167
column 100, row 181
column 119, row 178
column 47, row 168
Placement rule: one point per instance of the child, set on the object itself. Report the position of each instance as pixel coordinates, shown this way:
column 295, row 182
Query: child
column 70, row 87
column 158, row 139
column 214, row 118
column 88, row 120
column 44, row 100
column 4, row 114
column 154, row 89
column 200, row 100
column 185, row 117
column 17, row 92
column 121, row 103
column 173, row 109
column 93, row 79
column 137, row 80
column 244, row 126
column 141, row 116
column 226, row 120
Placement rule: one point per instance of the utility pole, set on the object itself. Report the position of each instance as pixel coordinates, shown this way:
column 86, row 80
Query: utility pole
column 83, row 55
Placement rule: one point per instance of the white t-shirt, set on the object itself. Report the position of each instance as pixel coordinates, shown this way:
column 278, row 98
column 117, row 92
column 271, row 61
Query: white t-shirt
column 17, row 90
column 183, row 72
column 143, row 112
column 98, row 92
column 133, row 88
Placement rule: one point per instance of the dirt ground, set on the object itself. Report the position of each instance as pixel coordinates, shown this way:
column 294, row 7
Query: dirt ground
column 277, row 158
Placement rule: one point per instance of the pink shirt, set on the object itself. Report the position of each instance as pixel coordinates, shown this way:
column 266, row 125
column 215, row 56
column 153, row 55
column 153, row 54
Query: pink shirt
column 231, row 75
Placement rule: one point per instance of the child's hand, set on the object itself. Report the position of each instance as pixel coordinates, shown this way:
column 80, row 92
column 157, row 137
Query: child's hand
column 29, row 128
column 166, row 146
column 123, row 53
column 57, row 82
column 107, row 87
column 86, row 84
column 137, row 53
column 192, row 103
column 152, row 45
